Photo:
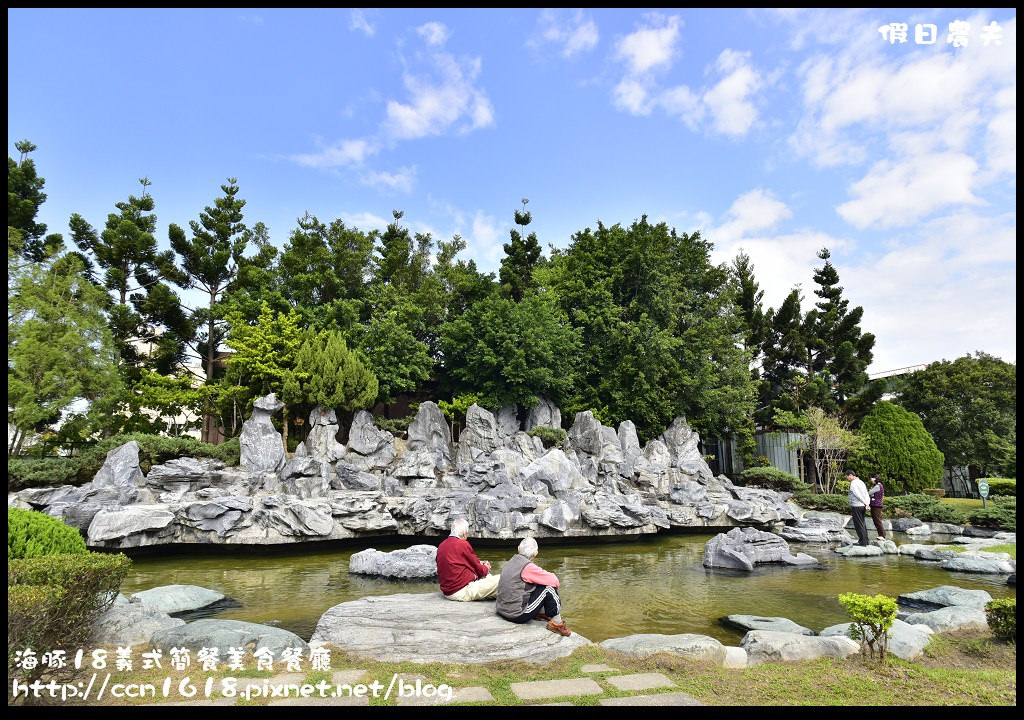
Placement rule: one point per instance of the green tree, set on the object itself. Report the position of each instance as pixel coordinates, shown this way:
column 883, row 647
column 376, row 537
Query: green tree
column 26, row 236
column 969, row 406
column 392, row 353
column 507, row 352
column 332, row 376
column 748, row 297
column 521, row 255
column 210, row 263
column 659, row 337
column 898, row 448
column 59, row 348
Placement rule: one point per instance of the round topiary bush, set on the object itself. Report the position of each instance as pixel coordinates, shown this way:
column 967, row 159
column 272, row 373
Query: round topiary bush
column 898, row 448
column 35, row 534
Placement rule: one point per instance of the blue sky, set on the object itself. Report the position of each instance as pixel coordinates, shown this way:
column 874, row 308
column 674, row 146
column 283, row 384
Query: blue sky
column 778, row 132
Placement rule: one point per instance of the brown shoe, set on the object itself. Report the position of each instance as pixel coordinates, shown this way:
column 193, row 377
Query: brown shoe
column 542, row 616
column 560, row 628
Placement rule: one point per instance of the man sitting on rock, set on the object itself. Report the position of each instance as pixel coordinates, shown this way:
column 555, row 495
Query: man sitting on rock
column 525, row 591
column 462, row 575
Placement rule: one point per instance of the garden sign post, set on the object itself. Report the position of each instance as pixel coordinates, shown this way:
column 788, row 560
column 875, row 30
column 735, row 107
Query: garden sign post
column 983, row 491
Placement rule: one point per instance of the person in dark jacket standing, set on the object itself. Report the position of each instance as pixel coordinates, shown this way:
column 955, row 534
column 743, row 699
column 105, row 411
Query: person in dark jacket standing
column 877, row 495
column 461, row 574
column 526, row 591
column 858, row 499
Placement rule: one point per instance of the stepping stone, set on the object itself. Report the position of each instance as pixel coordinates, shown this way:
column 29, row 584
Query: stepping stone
column 676, row 698
column 324, row 702
column 469, row 694
column 640, row 681
column 598, row 668
column 541, row 689
column 296, row 678
column 347, row 677
column 220, row 701
column 561, row 704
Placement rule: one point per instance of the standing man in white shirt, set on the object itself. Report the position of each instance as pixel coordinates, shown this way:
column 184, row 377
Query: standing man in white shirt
column 859, row 500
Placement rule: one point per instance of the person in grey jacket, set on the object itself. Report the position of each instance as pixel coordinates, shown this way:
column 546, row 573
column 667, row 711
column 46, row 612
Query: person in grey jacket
column 858, row 497
column 527, row 591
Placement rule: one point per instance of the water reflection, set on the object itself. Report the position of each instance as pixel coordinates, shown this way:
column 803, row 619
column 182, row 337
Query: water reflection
column 656, row 585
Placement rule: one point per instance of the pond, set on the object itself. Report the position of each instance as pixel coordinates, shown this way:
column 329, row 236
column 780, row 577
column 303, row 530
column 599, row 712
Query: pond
column 649, row 585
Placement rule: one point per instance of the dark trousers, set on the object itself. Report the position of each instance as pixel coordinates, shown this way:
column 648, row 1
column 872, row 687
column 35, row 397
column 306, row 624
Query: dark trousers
column 543, row 597
column 857, row 511
column 876, row 518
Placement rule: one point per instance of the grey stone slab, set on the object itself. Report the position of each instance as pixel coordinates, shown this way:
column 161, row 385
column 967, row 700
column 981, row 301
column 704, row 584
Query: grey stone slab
column 347, row 677
column 676, row 698
column 640, row 681
column 600, row 667
column 326, row 702
column 469, row 694
column 561, row 704
column 295, row 678
column 541, row 689
column 220, row 701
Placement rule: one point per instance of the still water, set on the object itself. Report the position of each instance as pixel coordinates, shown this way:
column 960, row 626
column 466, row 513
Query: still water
column 653, row 585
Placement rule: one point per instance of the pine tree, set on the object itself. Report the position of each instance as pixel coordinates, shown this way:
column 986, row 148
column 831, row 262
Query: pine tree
column 25, row 236
column 521, row 255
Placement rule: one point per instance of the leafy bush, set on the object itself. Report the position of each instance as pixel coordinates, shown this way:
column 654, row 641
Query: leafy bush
column 551, row 437
column 396, row 426
column 873, row 617
column 770, row 477
column 53, row 601
column 898, row 448
column 822, row 501
column 1000, row 514
column 34, row 534
column 1003, row 487
column 923, row 507
column 1001, row 616
column 153, row 450
column 843, row 488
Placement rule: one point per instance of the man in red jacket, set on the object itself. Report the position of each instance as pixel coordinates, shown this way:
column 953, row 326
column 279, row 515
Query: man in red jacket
column 460, row 572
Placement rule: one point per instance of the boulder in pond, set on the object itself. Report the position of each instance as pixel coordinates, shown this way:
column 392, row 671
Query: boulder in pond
column 756, row 622
column 742, row 548
column 954, row 617
column 943, row 596
column 416, row 562
column 225, row 634
column 766, row 646
column 906, row 641
column 177, row 598
column 130, row 623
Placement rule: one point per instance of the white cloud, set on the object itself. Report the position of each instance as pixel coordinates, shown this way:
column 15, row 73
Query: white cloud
column 728, row 101
column 437, row 103
column 575, row 33
column 365, row 221
column 434, row 33
column 342, row 153
column 650, row 47
column 357, row 21
column 251, row 19
column 631, row 95
column 898, row 193
column 403, row 180
column 1001, row 135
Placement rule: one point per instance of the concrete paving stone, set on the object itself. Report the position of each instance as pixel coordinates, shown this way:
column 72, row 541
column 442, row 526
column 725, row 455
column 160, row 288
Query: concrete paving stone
column 473, row 694
column 561, row 704
column 676, row 698
column 540, row 689
column 640, row 681
column 601, row 667
column 469, row 694
column 347, row 677
column 219, row 701
column 296, row 678
column 324, row 702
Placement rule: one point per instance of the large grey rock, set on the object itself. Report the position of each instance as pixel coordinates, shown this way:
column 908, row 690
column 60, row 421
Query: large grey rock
column 182, row 474
column 560, row 515
column 365, row 438
column 981, row 562
column 944, row 596
column 507, row 421
column 222, row 515
column 756, row 622
column 480, row 437
column 859, row 551
column 417, row 562
column 925, row 552
column 350, row 477
column 225, row 634
column 109, row 524
column 595, row 446
column 699, row 647
column 742, row 548
column 544, row 413
column 766, row 646
column 629, row 444
column 178, row 598
column 292, row 517
column 127, row 624
column 954, row 617
column 906, row 641
column 322, row 440
column 428, row 628
column 261, row 447
column 552, row 473
column 946, row 528
column 121, row 468
column 904, row 524
column 683, row 445
column 816, row 529
column 429, row 431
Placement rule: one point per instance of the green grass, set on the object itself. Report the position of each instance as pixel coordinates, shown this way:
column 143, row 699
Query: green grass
column 964, row 504
column 968, row 669
column 1010, row 548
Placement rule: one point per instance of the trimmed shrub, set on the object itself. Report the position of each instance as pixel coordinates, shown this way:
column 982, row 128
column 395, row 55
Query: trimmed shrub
column 873, row 617
column 898, row 448
column 35, row 534
column 923, row 507
column 153, row 450
column 772, row 478
column 822, row 501
column 1003, row 487
column 53, row 601
column 551, row 437
column 1001, row 616
column 1000, row 514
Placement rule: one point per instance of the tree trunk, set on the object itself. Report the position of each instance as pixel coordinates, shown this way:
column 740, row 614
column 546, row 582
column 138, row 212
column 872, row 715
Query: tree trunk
column 284, row 429
column 207, row 414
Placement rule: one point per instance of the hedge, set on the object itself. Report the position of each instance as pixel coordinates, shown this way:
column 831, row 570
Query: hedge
column 772, row 478
column 35, row 534
column 1003, row 487
column 551, row 437
column 926, row 508
column 816, row 501
column 1000, row 513
column 1001, row 616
